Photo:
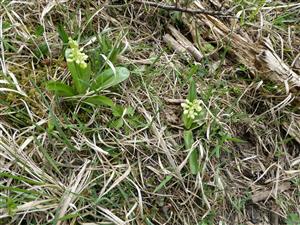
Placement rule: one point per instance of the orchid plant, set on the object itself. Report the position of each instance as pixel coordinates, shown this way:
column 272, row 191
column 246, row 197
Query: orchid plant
column 85, row 83
column 191, row 112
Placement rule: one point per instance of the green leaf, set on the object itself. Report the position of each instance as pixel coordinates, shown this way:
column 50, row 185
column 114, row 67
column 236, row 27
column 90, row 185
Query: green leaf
column 11, row 206
column 188, row 139
column 130, row 111
column 207, row 48
column 6, row 25
column 293, row 219
column 20, row 190
column 117, row 124
column 69, row 216
column 60, row 89
column 51, row 125
column 192, row 71
column 41, row 51
column 234, row 139
column 110, row 48
column 20, row 178
column 148, row 222
column 193, row 159
column 62, row 34
column 118, row 110
column 99, row 100
column 217, row 151
column 108, row 78
column 8, row 45
column 80, row 76
column 192, row 91
column 163, row 183
column 39, row 30
column 51, row 162
column 187, row 121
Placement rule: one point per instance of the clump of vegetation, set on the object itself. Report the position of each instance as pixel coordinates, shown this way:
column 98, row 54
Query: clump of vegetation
column 191, row 113
column 149, row 112
column 85, row 82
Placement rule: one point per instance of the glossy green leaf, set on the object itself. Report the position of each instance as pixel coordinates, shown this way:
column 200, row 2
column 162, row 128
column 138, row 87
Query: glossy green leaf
column 187, row 121
column 188, row 139
column 60, row 89
column 193, row 162
column 108, row 78
column 99, row 100
column 193, row 159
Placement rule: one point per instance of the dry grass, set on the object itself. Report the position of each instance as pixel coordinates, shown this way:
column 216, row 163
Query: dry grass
column 66, row 164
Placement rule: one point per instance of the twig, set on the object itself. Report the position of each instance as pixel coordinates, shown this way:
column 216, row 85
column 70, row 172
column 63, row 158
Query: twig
column 180, row 9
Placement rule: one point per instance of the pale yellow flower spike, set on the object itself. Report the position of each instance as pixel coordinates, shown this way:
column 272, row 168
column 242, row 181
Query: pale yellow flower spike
column 76, row 55
column 191, row 109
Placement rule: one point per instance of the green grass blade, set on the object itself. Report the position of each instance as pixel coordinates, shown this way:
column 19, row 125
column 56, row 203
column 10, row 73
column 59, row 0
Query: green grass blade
column 192, row 91
column 51, row 161
column 163, row 183
column 19, row 178
column 62, row 34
